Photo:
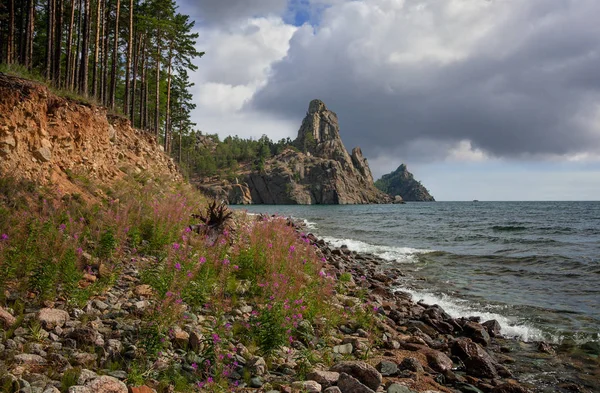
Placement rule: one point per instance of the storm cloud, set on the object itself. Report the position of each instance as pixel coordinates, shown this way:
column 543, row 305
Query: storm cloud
column 222, row 12
column 421, row 78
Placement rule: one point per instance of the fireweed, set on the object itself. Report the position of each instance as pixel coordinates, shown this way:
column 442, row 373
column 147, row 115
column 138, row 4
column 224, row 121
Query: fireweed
column 263, row 263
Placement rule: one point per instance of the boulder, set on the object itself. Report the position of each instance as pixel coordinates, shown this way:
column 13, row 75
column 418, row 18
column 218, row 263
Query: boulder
column 477, row 333
column 411, row 364
column 307, row 386
column 80, row 389
column 436, row 360
column 258, row 366
column 387, row 368
column 360, row 370
column 349, row 384
column 477, row 361
column 180, row 337
column 324, row 378
column 29, row 359
column 86, row 376
column 493, row 327
column 397, row 388
column 51, row 318
column 343, row 349
column 44, row 153
column 6, row 319
column 106, row 384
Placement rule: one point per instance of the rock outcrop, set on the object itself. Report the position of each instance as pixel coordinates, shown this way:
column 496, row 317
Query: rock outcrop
column 51, row 140
column 402, row 183
column 316, row 170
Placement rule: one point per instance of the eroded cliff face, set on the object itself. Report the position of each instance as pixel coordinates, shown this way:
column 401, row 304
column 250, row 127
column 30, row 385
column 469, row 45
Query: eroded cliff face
column 321, row 172
column 49, row 139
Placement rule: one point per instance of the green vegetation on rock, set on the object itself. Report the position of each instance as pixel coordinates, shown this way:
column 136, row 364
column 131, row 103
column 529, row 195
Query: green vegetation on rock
column 401, row 182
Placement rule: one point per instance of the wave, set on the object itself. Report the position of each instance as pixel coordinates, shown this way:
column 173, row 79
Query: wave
column 462, row 308
column 509, row 228
column 307, row 224
column 388, row 253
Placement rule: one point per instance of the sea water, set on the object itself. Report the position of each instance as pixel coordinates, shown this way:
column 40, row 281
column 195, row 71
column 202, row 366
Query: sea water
column 533, row 266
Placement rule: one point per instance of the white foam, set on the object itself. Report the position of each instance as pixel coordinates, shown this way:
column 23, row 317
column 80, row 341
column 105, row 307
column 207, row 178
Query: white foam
column 309, row 224
column 461, row 308
column 397, row 254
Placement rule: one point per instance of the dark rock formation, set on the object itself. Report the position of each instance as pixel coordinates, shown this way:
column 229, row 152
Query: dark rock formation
column 319, row 170
column 402, row 182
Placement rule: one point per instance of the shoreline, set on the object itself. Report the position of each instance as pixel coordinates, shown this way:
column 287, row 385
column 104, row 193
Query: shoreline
column 535, row 365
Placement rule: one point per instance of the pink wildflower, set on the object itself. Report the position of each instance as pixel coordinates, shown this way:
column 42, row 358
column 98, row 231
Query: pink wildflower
column 194, row 366
column 202, row 260
column 176, row 246
column 178, row 266
column 225, row 262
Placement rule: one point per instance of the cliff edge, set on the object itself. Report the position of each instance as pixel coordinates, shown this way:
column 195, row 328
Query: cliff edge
column 51, row 140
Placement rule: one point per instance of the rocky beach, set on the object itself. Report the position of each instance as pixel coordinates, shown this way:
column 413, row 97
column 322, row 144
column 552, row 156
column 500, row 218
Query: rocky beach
column 386, row 342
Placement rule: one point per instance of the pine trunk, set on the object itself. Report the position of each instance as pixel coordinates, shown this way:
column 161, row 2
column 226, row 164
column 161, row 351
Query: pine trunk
column 76, row 63
column 96, row 50
column 58, row 12
column 104, row 90
column 29, row 34
column 85, row 49
column 49, row 38
column 168, row 110
column 136, row 60
column 69, row 64
column 10, row 44
column 146, row 88
column 115, row 59
column 143, row 89
column 157, row 109
column 128, row 65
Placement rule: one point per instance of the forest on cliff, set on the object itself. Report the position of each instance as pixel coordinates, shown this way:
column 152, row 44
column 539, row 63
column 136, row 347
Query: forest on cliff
column 132, row 56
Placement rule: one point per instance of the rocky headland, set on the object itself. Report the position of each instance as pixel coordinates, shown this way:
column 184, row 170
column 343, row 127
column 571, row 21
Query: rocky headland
column 316, row 169
column 402, row 183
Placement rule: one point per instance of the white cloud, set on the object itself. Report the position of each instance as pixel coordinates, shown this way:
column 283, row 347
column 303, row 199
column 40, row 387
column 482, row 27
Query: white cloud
column 237, row 63
column 464, row 152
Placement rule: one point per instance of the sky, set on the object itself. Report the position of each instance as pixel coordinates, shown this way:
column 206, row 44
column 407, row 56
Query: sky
column 481, row 99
